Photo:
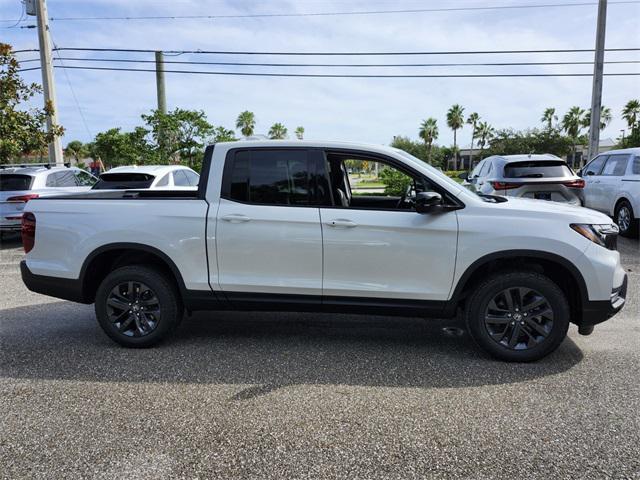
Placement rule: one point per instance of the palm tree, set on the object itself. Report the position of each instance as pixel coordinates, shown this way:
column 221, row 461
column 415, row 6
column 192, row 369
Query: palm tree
column 455, row 121
column 473, row 120
column 246, row 122
column 631, row 113
column 572, row 124
column 277, row 131
column 549, row 116
column 605, row 118
column 75, row 149
column 429, row 132
column 299, row 133
column 485, row 132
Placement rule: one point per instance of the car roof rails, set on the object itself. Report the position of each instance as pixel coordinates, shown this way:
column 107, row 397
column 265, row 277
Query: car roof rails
column 32, row 165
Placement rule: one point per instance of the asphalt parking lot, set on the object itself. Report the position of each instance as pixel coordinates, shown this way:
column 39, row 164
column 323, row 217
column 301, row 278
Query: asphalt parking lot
column 239, row 395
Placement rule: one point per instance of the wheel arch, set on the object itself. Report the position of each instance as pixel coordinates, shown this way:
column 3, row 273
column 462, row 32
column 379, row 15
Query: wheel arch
column 106, row 258
column 560, row 270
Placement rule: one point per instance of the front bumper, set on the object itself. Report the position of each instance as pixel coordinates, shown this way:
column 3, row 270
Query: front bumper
column 594, row 312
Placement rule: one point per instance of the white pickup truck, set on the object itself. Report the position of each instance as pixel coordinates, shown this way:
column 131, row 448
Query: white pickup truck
column 275, row 225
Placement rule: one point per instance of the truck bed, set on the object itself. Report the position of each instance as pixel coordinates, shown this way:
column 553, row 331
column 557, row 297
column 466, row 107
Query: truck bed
column 131, row 195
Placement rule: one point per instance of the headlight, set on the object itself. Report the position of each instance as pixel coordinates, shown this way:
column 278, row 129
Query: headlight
column 602, row 234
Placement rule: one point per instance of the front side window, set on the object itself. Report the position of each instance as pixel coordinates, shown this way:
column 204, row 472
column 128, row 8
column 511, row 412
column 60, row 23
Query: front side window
column 616, row 166
column 84, row 179
column 595, row 167
column 635, row 169
column 270, row 177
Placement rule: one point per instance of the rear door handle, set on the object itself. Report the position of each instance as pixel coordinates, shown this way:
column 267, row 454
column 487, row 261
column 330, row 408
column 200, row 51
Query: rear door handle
column 342, row 223
column 236, row 218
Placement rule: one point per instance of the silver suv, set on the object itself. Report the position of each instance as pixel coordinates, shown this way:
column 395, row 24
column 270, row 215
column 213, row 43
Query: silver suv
column 612, row 185
column 543, row 177
column 21, row 183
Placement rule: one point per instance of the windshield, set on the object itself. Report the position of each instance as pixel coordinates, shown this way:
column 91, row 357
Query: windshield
column 537, row 169
column 11, row 182
column 122, row 181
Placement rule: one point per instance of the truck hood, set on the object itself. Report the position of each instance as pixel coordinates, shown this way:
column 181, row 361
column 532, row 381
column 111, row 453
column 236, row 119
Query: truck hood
column 572, row 213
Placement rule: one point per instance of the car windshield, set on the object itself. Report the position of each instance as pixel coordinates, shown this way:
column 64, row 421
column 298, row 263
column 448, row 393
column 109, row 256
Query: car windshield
column 11, row 182
column 122, row 181
column 537, row 169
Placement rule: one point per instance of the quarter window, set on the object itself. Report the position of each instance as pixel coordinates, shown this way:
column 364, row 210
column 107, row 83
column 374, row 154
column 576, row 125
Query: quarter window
column 164, row 181
column 180, row 179
column 616, row 166
column 193, row 177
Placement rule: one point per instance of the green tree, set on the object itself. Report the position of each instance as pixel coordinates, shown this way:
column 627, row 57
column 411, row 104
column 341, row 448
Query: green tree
column 511, row 142
column 419, row 150
column 605, row 118
column 395, row 182
column 429, row 132
column 631, row 113
column 123, row 148
column 548, row 117
column 221, row 134
column 277, row 131
column 246, row 123
column 485, row 133
column 76, row 150
column 473, row 120
column 299, row 133
column 455, row 121
column 22, row 131
column 179, row 135
column 572, row 124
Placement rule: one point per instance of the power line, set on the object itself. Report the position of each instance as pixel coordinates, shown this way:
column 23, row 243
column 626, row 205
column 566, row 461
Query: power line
column 451, row 52
column 328, row 14
column 340, row 65
column 328, row 75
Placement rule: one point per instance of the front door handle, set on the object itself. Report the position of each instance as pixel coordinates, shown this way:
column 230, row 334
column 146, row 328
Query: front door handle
column 342, row 223
column 236, row 218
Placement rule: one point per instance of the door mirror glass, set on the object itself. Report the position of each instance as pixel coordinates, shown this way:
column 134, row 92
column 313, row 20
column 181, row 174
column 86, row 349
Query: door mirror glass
column 427, row 201
column 463, row 175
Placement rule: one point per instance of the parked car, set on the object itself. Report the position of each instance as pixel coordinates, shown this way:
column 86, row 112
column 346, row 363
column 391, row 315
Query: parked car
column 274, row 226
column 613, row 187
column 542, row 177
column 21, row 183
column 154, row 177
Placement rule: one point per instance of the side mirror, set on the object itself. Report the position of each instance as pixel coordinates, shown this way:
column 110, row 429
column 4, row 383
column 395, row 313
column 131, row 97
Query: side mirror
column 427, row 201
column 590, row 173
column 463, row 175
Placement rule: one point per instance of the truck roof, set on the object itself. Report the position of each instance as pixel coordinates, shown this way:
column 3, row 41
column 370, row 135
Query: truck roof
column 307, row 143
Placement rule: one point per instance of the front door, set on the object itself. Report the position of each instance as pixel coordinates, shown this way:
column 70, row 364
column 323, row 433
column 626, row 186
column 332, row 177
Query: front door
column 593, row 194
column 268, row 234
column 375, row 244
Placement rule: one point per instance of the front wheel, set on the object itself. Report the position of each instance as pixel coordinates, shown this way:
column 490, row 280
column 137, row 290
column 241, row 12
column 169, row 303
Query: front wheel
column 625, row 219
column 518, row 316
column 137, row 306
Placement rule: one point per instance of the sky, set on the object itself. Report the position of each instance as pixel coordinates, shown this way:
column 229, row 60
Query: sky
column 369, row 110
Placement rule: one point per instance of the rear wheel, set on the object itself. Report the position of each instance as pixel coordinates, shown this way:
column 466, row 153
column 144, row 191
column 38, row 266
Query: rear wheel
column 518, row 316
column 137, row 306
column 625, row 219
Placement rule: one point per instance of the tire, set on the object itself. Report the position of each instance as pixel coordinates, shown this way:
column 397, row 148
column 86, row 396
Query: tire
column 626, row 220
column 537, row 332
column 154, row 306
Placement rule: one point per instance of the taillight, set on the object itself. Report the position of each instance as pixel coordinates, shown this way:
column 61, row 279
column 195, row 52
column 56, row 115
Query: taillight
column 28, row 231
column 579, row 183
column 23, row 198
column 504, row 185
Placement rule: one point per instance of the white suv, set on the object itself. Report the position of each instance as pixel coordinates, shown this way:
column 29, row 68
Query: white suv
column 612, row 186
column 19, row 184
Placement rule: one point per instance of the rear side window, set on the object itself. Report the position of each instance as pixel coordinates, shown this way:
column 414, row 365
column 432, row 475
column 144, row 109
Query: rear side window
column 122, row 181
column 193, row 177
column 84, row 179
column 595, row 167
column 537, row 169
column 61, row 179
column 636, row 166
column 271, row 177
column 11, row 182
column 616, row 166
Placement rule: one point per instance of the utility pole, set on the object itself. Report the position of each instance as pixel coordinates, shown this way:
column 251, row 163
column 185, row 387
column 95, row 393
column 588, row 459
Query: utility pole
column 596, row 93
column 48, row 84
column 162, row 97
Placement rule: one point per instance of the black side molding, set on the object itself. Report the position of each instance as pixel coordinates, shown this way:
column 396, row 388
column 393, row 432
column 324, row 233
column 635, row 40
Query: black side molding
column 64, row 288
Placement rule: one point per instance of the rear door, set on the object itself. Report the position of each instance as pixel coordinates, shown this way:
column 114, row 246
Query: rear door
column 268, row 234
